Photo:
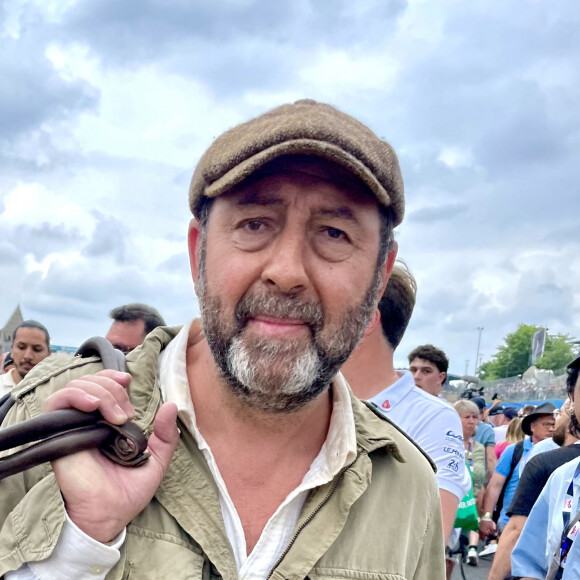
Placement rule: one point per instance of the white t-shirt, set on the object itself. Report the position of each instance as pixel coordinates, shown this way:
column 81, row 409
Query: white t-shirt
column 433, row 424
column 6, row 382
column 500, row 433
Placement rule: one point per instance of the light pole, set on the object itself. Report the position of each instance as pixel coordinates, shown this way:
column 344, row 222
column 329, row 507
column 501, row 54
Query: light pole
column 480, row 330
column 466, row 365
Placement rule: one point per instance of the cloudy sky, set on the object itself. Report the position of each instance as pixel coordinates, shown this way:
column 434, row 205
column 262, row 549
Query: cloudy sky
column 106, row 106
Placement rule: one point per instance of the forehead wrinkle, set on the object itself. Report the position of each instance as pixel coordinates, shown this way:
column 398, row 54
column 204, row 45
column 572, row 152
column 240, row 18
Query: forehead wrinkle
column 344, row 213
column 256, row 197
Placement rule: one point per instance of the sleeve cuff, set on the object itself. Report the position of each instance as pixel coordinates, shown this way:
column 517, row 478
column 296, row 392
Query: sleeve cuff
column 78, row 556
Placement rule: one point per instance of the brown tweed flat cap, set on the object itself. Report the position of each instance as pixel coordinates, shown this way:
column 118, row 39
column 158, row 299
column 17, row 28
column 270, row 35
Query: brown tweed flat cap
column 305, row 127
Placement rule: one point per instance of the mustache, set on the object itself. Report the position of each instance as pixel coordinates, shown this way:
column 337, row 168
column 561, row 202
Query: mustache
column 279, row 306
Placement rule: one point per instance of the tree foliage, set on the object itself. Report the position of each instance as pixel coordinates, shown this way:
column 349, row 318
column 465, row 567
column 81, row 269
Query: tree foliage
column 513, row 357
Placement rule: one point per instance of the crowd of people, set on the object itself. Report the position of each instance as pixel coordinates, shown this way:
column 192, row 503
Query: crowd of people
column 283, row 442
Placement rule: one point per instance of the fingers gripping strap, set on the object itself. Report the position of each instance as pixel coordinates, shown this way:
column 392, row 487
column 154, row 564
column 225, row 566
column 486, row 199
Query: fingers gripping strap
column 68, row 431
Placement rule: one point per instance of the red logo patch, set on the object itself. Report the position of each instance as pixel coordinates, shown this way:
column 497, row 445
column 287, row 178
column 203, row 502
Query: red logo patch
column 386, row 404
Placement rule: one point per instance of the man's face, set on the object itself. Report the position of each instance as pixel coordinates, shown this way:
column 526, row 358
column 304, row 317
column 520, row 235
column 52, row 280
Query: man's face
column 126, row 336
column 28, row 349
column 542, row 427
column 287, row 281
column 562, row 418
column 427, row 376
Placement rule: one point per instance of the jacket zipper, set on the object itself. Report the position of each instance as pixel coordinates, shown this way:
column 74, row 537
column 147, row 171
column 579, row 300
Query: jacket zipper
column 333, row 487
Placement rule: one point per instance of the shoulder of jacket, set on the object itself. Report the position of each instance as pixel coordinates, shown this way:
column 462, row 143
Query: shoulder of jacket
column 375, row 430
column 47, row 377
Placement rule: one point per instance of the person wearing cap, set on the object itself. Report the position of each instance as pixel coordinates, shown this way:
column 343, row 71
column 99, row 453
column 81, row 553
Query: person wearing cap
column 548, row 546
column 537, row 426
column 561, row 431
column 276, row 470
column 500, row 417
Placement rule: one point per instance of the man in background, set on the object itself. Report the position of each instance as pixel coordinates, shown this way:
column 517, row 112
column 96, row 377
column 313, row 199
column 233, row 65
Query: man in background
column 500, row 417
column 428, row 365
column 432, row 423
column 30, row 345
column 131, row 324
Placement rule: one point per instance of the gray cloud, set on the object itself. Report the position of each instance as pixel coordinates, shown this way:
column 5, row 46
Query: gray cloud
column 44, row 239
column 176, row 263
column 435, row 214
column 32, row 93
column 108, row 239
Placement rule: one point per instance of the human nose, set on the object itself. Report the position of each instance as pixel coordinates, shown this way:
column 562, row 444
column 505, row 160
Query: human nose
column 28, row 354
column 285, row 267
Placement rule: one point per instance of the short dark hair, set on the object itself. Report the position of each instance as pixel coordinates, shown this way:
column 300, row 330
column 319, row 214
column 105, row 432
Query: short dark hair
column 397, row 303
column 136, row 311
column 432, row 354
column 33, row 324
column 571, row 381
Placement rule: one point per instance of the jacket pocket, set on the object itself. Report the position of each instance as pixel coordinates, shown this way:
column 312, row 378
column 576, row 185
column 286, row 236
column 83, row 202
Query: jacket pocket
column 149, row 555
column 346, row 574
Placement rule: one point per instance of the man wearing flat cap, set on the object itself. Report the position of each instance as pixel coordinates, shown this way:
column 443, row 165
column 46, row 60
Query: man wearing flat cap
column 274, row 469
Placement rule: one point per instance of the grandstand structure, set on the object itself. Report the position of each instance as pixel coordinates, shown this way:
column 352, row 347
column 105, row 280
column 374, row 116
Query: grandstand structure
column 535, row 384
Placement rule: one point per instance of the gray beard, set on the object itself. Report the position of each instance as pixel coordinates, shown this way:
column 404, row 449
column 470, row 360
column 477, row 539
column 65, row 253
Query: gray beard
column 280, row 376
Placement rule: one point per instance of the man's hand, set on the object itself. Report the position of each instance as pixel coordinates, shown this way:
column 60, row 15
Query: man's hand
column 502, row 563
column 487, row 528
column 102, row 497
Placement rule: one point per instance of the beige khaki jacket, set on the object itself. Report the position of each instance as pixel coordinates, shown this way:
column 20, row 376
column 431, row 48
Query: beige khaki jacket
column 378, row 519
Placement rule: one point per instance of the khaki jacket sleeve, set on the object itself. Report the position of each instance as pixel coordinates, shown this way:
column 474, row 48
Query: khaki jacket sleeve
column 431, row 564
column 31, row 508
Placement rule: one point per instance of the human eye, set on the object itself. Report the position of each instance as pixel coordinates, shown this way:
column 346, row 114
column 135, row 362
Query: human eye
column 254, row 225
column 336, row 234
column 333, row 244
column 253, row 233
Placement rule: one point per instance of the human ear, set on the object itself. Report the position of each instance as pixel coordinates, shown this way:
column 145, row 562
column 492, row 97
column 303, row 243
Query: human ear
column 388, row 267
column 194, row 246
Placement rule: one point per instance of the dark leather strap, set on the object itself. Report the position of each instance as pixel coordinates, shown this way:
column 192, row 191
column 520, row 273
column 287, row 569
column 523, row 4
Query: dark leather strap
column 60, row 433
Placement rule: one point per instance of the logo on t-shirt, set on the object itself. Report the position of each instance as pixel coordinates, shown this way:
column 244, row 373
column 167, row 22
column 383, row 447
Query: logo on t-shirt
column 450, row 436
column 386, row 404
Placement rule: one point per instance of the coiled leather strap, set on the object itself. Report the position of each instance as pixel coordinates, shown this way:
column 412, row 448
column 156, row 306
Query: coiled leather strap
column 59, row 433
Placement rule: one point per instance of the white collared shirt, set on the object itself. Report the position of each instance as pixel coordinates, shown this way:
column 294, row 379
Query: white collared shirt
column 7, row 382
column 93, row 559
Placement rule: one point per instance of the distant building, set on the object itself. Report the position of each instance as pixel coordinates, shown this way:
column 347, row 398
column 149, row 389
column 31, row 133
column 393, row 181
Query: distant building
column 7, row 333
